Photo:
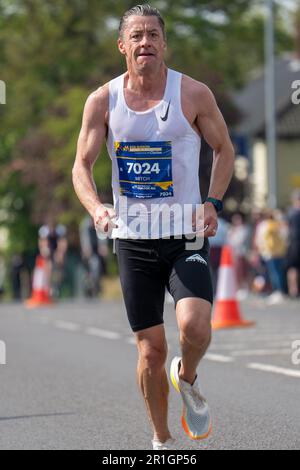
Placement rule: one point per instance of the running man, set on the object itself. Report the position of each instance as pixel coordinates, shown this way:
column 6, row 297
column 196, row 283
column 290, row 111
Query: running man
column 152, row 119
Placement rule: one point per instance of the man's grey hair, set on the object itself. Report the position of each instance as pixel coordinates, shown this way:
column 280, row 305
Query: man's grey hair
column 141, row 10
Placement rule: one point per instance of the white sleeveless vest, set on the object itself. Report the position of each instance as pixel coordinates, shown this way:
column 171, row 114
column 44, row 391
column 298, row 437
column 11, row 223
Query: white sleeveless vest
column 155, row 164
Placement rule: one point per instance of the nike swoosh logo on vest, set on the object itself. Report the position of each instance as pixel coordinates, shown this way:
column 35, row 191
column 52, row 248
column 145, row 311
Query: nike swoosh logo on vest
column 164, row 118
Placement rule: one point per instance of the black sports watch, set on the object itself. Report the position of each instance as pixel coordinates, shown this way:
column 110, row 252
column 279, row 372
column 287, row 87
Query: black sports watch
column 217, row 203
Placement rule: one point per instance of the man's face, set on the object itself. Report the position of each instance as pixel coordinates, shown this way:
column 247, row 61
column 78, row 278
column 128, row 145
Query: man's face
column 143, row 42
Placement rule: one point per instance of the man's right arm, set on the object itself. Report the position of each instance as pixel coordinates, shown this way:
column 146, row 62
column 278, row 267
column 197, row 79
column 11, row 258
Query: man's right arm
column 92, row 136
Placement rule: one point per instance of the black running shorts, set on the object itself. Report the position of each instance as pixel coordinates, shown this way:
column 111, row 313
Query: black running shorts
column 148, row 267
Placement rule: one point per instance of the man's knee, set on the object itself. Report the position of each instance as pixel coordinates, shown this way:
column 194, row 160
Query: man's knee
column 153, row 356
column 152, row 347
column 196, row 328
column 197, row 336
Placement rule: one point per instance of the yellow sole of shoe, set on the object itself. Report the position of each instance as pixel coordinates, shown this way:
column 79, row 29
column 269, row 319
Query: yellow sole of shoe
column 174, row 382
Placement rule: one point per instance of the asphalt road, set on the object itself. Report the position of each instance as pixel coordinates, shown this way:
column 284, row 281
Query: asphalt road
column 70, row 383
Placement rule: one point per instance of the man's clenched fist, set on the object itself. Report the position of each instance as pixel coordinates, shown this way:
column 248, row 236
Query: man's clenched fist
column 104, row 219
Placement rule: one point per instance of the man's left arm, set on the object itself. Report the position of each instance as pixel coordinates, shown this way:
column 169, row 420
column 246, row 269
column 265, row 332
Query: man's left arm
column 211, row 125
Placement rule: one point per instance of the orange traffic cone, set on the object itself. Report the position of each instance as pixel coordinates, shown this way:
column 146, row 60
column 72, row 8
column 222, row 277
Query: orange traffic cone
column 227, row 311
column 40, row 285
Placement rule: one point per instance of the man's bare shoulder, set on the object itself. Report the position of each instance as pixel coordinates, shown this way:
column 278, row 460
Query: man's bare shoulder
column 97, row 102
column 198, row 93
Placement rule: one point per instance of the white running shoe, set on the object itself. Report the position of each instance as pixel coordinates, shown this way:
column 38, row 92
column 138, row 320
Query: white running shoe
column 196, row 419
column 168, row 445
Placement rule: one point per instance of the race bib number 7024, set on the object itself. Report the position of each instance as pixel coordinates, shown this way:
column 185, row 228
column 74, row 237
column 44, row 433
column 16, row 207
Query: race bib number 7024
column 145, row 169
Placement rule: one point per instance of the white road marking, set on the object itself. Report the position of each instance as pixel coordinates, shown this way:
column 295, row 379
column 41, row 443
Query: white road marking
column 243, row 338
column 275, row 370
column 102, row 333
column 262, row 352
column 283, row 336
column 241, row 346
column 218, row 358
column 74, row 327
column 68, row 326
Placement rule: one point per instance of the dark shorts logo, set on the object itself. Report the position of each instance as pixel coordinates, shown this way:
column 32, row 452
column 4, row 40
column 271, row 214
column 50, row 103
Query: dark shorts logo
column 196, row 258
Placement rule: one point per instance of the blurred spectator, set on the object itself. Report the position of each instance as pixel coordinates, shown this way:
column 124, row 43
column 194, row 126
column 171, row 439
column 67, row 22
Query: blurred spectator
column 258, row 270
column 271, row 243
column 19, row 270
column 293, row 255
column 239, row 240
column 49, row 238
column 94, row 254
column 17, row 264
column 72, row 265
column 53, row 246
column 2, row 275
column 59, row 261
column 216, row 245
